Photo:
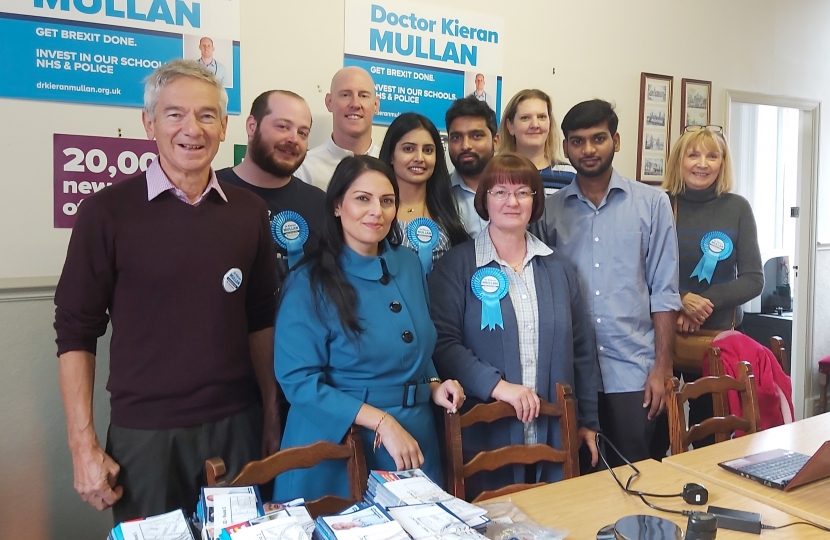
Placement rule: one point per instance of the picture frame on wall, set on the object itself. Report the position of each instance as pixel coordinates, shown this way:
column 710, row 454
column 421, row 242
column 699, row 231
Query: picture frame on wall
column 695, row 102
column 654, row 133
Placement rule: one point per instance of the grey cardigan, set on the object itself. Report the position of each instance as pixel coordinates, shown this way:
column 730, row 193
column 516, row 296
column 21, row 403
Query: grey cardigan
column 478, row 358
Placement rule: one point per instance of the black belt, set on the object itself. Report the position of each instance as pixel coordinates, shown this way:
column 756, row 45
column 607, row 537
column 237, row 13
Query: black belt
column 408, row 395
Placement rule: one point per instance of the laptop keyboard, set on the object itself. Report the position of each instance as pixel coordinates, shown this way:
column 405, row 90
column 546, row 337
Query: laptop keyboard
column 781, row 468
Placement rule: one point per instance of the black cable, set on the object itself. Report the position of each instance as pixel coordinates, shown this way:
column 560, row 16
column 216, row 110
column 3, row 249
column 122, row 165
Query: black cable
column 627, row 486
column 817, row 526
column 643, row 495
column 635, row 475
column 655, row 507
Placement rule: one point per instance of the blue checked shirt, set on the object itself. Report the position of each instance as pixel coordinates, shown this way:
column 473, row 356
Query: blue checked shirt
column 625, row 251
column 522, row 291
column 465, row 201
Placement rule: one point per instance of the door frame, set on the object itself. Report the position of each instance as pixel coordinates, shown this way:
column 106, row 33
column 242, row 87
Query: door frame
column 801, row 355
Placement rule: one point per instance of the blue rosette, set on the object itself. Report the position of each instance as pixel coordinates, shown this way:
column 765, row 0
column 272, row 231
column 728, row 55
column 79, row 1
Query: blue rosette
column 716, row 246
column 424, row 235
column 290, row 232
column 490, row 285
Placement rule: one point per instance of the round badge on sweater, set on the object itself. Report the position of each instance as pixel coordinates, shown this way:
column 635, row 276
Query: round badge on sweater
column 232, row 280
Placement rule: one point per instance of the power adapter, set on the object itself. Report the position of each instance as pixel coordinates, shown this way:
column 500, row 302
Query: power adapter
column 695, row 494
column 737, row 520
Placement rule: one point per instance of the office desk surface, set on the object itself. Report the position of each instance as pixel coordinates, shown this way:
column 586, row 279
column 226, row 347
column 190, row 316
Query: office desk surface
column 584, row 505
column 811, row 502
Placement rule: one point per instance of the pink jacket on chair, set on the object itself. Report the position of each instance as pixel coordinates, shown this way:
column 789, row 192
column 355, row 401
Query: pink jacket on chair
column 773, row 386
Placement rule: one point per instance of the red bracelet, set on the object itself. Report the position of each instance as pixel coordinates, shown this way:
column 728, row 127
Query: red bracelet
column 378, row 439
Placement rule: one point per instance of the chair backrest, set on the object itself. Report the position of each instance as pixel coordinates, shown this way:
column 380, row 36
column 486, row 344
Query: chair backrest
column 303, row 457
column 776, row 345
column 716, row 385
column 517, row 454
column 719, row 405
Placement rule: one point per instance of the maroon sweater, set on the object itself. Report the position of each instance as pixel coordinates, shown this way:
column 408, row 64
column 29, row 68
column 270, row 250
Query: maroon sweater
column 179, row 353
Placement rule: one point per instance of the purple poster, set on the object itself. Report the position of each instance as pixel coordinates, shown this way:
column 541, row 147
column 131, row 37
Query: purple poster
column 85, row 165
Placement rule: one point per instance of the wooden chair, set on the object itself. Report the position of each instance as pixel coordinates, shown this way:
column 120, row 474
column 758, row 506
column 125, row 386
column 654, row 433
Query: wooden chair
column 776, row 345
column 719, row 405
column 723, row 424
column 302, row 457
column 491, row 460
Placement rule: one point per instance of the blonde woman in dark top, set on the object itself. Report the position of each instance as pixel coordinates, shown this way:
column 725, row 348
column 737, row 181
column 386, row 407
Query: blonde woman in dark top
column 720, row 261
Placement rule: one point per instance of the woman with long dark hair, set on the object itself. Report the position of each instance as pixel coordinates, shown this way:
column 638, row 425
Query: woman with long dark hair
column 412, row 146
column 354, row 339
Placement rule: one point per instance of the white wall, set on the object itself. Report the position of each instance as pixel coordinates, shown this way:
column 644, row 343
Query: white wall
column 37, row 500
column 598, row 50
column 765, row 46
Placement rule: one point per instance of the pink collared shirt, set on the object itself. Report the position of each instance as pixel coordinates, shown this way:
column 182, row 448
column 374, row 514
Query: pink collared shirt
column 157, row 183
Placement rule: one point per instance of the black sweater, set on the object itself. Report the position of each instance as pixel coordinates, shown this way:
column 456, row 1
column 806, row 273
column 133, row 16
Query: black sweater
column 179, row 354
column 737, row 279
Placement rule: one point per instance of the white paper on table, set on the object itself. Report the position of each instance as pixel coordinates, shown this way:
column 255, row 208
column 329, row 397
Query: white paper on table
column 232, row 508
column 391, row 530
column 284, row 528
column 169, row 526
column 432, row 521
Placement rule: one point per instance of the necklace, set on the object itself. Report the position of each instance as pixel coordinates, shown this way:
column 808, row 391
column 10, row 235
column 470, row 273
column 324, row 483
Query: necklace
column 421, row 209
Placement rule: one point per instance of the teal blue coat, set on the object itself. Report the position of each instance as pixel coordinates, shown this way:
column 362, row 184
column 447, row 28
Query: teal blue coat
column 327, row 374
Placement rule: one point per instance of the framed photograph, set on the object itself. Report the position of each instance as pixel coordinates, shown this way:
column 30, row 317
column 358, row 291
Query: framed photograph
column 655, row 126
column 695, row 109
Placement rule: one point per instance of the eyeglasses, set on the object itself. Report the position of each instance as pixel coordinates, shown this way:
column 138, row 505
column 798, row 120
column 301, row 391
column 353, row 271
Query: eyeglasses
column 693, row 128
column 502, row 195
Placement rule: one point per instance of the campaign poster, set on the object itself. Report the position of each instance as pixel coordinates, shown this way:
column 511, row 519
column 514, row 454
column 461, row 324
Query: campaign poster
column 85, row 165
column 100, row 51
column 422, row 57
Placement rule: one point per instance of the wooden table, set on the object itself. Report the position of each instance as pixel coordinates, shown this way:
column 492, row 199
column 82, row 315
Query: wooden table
column 584, row 505
column 810, row 502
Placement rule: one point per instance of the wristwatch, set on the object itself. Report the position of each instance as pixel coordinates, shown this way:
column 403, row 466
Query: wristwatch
column 434, row 379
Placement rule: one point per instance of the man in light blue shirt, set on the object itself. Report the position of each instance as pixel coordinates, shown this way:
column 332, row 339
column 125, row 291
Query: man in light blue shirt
column 471, row 128
column 620, row 235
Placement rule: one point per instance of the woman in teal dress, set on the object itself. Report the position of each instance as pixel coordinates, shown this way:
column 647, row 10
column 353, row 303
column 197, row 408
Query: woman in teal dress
column 354, row 339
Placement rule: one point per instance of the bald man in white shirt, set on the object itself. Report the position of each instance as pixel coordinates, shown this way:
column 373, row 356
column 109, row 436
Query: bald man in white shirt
column 353, row 104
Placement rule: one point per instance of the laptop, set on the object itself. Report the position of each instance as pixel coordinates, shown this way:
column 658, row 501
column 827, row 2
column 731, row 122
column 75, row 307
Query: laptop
column 782, row 469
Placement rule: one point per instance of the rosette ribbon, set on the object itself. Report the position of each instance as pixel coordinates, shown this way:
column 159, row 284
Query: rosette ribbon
column 423, row 233
column 716, row 246
column 490, row 285
column 290, row 232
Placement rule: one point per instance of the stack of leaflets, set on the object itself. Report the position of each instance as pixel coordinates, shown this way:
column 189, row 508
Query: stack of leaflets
column 390, row 489
column 360, row 522
column 432, row 521
column 295, row 509
column 170, row 526
column 267, row 527
column 221, row 507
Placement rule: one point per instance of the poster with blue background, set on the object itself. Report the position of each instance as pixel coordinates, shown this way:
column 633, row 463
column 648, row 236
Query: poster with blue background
column 100, row 51
column 423, row 57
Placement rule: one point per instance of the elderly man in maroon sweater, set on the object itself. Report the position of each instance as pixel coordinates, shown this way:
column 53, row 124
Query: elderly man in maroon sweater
column 183, row 266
